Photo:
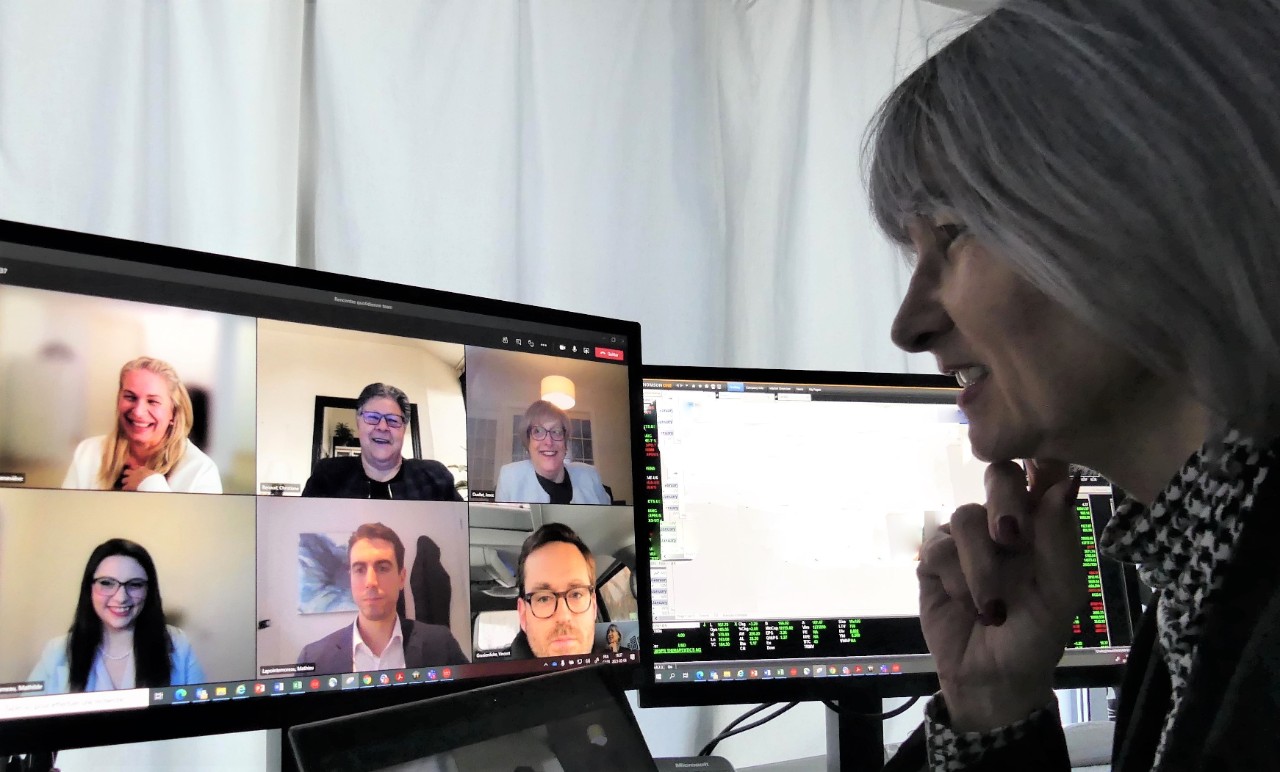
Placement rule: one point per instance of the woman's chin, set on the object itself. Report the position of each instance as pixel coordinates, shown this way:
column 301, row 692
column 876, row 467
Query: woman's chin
column 551, row 472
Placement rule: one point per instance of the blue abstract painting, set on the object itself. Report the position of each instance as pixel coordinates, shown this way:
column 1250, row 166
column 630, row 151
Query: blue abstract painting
column 324, row 585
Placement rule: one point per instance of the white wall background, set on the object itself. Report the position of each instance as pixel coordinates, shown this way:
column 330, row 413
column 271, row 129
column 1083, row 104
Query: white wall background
column 691, row 166
column 280, row 520
column 298, row 362
column 201, row 545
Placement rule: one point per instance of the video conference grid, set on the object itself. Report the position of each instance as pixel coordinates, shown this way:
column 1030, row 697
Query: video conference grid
column 612, row 353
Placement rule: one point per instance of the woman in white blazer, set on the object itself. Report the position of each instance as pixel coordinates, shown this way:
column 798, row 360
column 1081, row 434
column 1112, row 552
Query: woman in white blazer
column 545, row 477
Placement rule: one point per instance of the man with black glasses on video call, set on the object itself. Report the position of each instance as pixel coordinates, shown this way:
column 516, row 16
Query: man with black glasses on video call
column 556, row 578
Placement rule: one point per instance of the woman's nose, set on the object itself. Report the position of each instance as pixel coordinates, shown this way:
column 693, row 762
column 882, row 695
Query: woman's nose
column 921, row 317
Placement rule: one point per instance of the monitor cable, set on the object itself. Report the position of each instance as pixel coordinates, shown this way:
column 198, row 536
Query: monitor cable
column 898, row 711
column 733, row 728
column 730, row 730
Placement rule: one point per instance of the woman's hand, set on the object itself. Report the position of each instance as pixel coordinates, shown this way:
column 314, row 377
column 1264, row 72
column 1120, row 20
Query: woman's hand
column 134, row 475
column 999, row 587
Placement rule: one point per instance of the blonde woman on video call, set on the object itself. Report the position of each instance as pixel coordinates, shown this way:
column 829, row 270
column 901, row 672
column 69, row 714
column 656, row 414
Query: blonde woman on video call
column 147, row 448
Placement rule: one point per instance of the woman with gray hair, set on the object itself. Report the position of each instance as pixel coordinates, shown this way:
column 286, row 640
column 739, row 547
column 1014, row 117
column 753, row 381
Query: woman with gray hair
column 1090, row 189
column 547, row 476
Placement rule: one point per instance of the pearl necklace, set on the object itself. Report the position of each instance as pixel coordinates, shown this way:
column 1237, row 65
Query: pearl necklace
column 116, row 657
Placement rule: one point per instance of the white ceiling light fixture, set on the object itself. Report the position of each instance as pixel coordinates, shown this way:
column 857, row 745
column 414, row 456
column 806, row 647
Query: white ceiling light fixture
column 559, row 391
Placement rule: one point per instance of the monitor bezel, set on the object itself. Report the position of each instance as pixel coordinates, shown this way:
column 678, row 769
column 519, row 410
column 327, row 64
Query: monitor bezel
column 81, row 730
column 653, row 694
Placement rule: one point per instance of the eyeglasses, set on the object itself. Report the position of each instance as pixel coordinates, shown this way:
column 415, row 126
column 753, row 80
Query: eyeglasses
column 372, row 418
column 543, row 603
column 106, row 586
column 541, row 432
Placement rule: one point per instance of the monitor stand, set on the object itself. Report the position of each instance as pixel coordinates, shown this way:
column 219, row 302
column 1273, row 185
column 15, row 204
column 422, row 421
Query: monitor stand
column 856, row 741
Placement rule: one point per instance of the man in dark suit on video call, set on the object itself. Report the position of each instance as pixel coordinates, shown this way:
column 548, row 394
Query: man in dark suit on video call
column 380, row 639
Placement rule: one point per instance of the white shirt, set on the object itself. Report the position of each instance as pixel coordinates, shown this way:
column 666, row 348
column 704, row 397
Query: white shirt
column 195, row 473
column 363, row 658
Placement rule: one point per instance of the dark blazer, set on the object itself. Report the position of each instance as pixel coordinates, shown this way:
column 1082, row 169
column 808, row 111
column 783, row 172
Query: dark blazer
column 420, row 479
column 1230, row 716
column 424, row 645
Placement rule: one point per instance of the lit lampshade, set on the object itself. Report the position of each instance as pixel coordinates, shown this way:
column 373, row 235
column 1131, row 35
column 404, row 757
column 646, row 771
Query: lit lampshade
column 558, row 390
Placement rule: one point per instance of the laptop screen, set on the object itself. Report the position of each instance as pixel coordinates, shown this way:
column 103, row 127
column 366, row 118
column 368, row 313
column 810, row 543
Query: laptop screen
column 571, row 721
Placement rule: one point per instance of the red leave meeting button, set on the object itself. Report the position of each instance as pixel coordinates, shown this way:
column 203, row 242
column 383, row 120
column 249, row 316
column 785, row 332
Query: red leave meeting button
column 608, row 353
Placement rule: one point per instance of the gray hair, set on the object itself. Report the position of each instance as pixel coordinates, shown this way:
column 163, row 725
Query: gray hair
column 374, row 390
column 1124, row 156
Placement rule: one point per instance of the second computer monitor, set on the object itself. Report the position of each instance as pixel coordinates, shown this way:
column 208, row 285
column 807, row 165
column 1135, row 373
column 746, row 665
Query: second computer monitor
column 786, row 513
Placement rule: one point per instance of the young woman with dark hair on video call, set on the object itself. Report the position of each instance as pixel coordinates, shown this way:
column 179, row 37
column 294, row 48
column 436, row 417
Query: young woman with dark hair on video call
column 1089, row 190
column 118, row 637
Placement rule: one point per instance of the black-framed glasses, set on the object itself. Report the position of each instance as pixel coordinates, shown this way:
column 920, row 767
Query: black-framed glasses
column 373, row 418
column 543, row 603
column 106, row 586
column 541, row 432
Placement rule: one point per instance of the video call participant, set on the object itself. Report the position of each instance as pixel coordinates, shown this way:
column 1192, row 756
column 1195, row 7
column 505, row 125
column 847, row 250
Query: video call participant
column 380, row 639
column 118, row 638
column 545, row 477
column 613, row 639
column 147, row 449
column 557, row 603
column 380, row 471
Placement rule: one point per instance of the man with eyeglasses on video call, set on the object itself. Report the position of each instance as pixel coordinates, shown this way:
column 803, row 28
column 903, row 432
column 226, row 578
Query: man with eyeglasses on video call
column 381, row 471
column 556, row 579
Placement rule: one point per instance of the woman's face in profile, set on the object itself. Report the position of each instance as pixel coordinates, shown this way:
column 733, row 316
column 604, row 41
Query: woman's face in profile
column 1038, row 382
column 614, row 638
column 145, row 407
column 118, row 607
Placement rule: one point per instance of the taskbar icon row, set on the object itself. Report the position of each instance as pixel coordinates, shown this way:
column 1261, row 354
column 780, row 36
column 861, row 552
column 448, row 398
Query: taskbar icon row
column 598, row 658
column 216, row 692
column 759, row 671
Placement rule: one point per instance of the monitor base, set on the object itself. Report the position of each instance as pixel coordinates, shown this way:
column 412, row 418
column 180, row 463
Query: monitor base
column 694, row 764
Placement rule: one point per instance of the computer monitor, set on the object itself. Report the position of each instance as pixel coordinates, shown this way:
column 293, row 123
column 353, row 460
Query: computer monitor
column 237, row 495
column 785, row 513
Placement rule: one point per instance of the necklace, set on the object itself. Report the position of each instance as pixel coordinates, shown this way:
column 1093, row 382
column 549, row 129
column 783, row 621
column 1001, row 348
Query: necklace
column 116, row 657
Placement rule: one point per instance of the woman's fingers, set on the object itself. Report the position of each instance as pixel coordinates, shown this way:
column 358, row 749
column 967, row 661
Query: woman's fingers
column 941, row 578
column 979, row 561
column 1007, row 505
column 1043, row 474
column 1058, row 551
column 946, row 606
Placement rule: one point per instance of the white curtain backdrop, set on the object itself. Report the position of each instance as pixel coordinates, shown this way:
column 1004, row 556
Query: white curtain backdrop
column 690, row 165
